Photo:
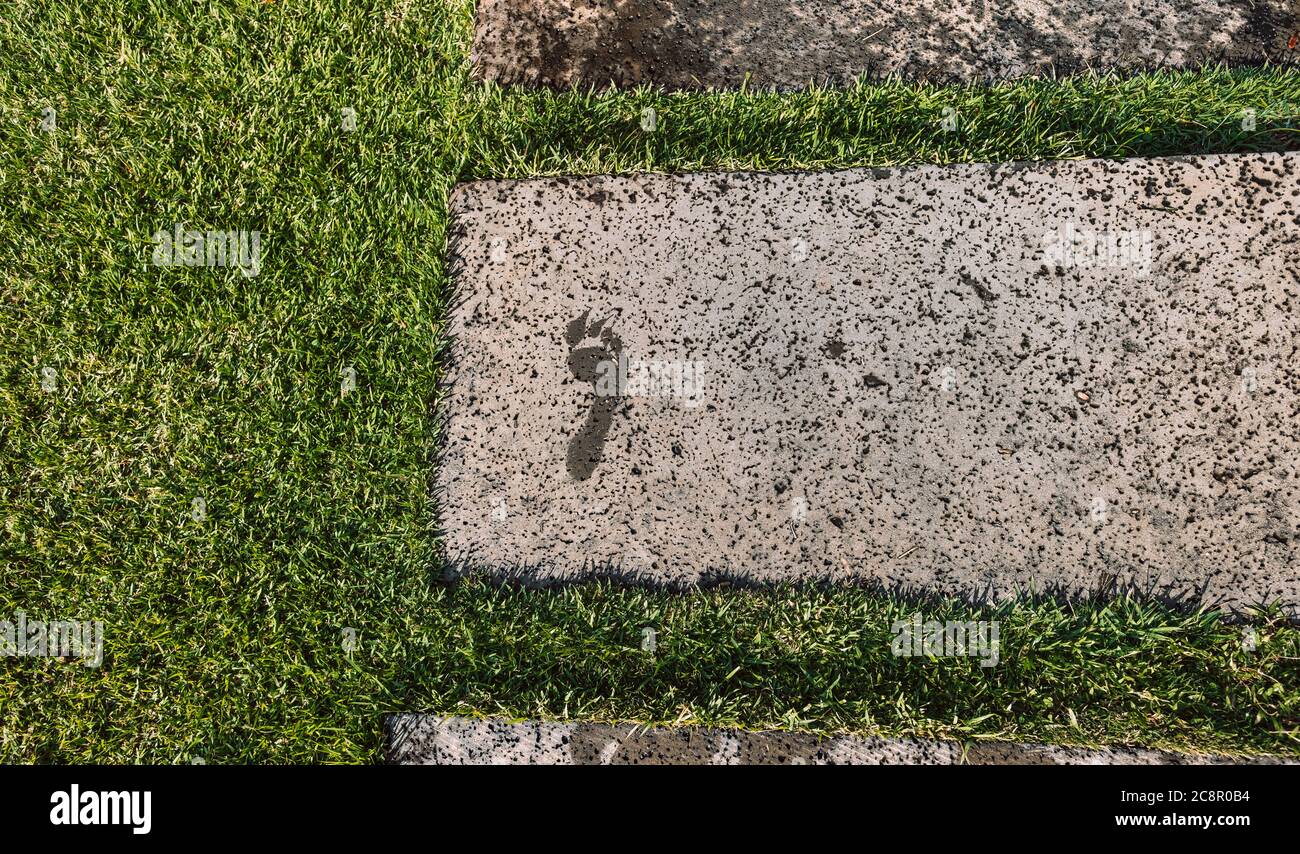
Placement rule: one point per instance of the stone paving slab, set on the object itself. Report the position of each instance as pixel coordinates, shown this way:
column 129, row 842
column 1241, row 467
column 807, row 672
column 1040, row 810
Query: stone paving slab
column 414, row 739
column 790, row 43
column 980, row 380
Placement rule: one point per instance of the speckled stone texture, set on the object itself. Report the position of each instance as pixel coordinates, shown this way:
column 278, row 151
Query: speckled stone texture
column 790, row 43
column 914, row 378
column 414, row 739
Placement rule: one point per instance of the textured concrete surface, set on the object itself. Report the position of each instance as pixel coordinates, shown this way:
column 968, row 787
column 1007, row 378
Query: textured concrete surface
column 414, row 739
column 789, row 43
column 919, row 378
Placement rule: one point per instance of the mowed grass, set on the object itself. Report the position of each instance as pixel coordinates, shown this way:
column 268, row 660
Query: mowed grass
column 225, row 635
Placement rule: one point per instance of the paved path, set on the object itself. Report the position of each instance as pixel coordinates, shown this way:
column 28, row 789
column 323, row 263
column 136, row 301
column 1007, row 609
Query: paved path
column 788, row 43
column 414, row 739
column 973, row 379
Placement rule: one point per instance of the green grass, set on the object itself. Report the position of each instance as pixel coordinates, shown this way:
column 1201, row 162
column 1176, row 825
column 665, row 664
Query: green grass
column 224, row 636
column 821, row 659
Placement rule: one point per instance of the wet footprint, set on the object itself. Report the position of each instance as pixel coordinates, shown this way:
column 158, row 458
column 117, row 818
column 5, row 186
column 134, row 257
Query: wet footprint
column 589, row 346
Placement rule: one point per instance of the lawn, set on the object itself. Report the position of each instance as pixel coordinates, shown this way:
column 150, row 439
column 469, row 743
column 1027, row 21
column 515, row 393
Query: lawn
column 183, row 455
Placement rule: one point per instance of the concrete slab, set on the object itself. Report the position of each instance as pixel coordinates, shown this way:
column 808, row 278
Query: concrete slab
column 414, row 739
column 981, row 380
column 789, row 43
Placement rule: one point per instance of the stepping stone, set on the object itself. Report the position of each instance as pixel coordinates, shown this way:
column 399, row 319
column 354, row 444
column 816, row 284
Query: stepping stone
column 789, row 43
column 413, row 739
column 980, row 380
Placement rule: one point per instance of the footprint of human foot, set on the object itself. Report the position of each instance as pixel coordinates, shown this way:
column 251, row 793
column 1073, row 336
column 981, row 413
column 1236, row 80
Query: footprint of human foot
column 590, row 345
